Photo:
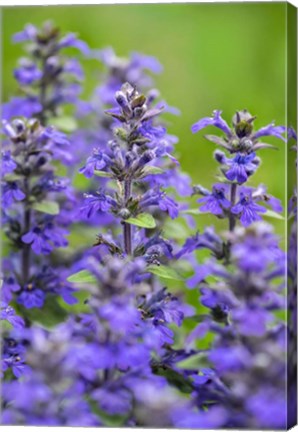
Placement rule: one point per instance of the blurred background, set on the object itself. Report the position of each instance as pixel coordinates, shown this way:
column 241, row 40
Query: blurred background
column 215, row 56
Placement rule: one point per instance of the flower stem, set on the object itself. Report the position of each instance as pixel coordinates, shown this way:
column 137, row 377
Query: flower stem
column 127, row 226
column 232, row 219
column 26, row 247
column 42, row 94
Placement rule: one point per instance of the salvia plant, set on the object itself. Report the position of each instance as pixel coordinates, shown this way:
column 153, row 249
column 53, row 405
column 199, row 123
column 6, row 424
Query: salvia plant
column 134, row 326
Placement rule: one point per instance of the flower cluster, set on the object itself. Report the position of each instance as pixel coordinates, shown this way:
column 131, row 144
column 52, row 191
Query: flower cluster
column 104, row 335
column 129, row 158
column 231, row 198
column 30, row 203
column 242, row 286
column 47, row 78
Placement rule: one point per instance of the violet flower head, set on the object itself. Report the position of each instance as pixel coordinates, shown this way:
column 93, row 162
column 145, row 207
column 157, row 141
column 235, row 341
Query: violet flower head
column 247, row 209
column 8, row 164
column 240, row 167
column 214, row 202
column 31, row 297
column 11, row 194
column 99, row 202
column 47, row 76
column 216, row 120
column 241, row 137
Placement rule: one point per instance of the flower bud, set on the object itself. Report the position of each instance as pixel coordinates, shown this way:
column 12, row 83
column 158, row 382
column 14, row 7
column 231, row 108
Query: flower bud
column 246, row 144
column 219, row 156
column 123, row 102
column 152, row 95
column 243, row 129
column 139, row 111
column 18, row 125
column 146, row 157
column 124, row 213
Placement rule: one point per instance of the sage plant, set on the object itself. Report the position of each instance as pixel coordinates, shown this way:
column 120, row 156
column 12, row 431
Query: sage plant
column 124, row 354
column 48, row 78
column 32, row 194
column 247, row 356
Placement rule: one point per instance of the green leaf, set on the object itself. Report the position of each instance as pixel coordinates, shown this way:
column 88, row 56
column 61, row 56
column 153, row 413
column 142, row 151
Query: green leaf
column 48, row 317
column 274, row 215
column 176, row 229
column 83, row 276
column 49, row 207
column 13, row 177
column 192, row 212
column 151, row 170
column 110, row 420
column 82, row 303
column 65, row 124
column 196, row 318
column 164, row 272
column 143, row 220
column 193, row 362
column 99, row 173
column 175, row 378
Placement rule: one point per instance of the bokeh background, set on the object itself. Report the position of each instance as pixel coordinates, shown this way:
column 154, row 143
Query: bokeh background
column 215, row 56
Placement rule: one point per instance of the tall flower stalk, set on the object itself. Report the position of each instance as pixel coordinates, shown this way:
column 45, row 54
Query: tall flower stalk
column 122, row 353
column 242, row 286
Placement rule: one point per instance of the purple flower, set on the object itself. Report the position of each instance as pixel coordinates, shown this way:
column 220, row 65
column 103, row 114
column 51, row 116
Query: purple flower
column 242, row 166
column 21, row 107
column 73, row 67
column 169, row 205
column 270, row 130
column 269, row 406
column 255, row 253
column 159, row 198
column 141, row 61
column 58, row 138
column 71, row 40
column 201, row 272
column 8, row 164
column 113, row 400
column 39, row 241
column 13, row 356
column 11, row 193
column 97, row 161
column 165, row 307
column 10, row 285
column 7, row 313
column 216, row 121
column 213, row 418
column 209, row 240
column 247, row 209
column 55, row 234
column 250, row 321
column 97, row 203
column 230, row 358
column 219, row 301
column 27, row 73
column 31, row 297
column 216, row 201
column 28, row 34
column 122, row 316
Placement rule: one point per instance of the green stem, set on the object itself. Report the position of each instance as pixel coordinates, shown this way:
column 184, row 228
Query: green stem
column 126, row 226
column 232, row 218
column 26, row 247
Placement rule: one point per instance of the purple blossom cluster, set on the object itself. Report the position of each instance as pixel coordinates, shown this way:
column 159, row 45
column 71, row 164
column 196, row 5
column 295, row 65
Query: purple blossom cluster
column 47, row 77
column 104, row 334
column 231, row 198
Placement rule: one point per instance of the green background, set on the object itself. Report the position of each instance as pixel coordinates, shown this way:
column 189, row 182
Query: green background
column 215, row 56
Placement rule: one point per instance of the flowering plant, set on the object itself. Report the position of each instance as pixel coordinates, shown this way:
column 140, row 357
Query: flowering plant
column 129, row 347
